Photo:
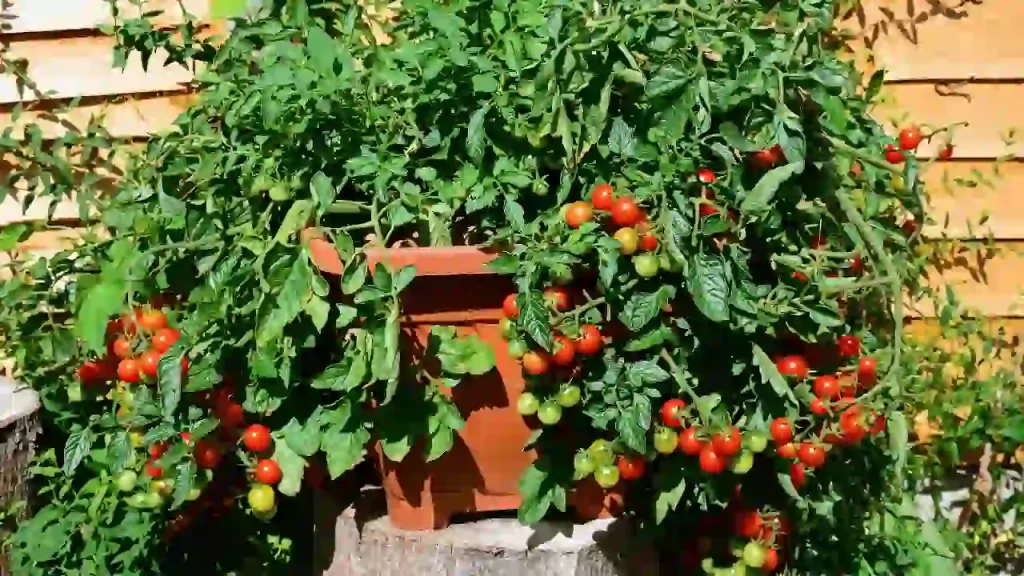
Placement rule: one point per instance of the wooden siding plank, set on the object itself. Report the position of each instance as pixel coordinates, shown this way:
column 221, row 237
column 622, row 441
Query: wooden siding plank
column 989, row 284
column 123, row 117
column 44, row 16
column 962, row 193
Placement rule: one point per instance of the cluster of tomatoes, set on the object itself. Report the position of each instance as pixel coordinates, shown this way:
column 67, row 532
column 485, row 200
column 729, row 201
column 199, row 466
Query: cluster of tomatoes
column 135, row 344
column 908, row 140
column 751, row 538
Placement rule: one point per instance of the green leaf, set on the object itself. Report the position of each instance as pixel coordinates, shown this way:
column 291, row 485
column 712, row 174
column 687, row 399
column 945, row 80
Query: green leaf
column 119, row 451
column 646, row 372
column 76, row 448
column 535, row 489
column 224, row 9
column 169, row 377
column 294, row 292
column 631, row 429
column 620, row 139
column 898, row 439
column 171, row 206
column 642, row 307
column 345, row 447
column 292, row 466
column 787, row 486
column 318, row 310
column 295, row 220
column 770, row 375
column 733, row 137
column 303, row 440
column 322, row 49
column 669, row 484
column 354, row 277
column 475, row 133
column 485, row 83
column 534, row 319
column 184, row 480
column 346, row 315
column 323, row 192
column 467, row 355
column 102, row 301
column 403, row 278
column 760, row 198
column 708, row 283
column 11, row 235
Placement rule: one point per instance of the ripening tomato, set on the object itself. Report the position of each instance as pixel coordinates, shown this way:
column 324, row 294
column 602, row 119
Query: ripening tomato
column 152, row 470
column 665, row 440
column 705, row 176
column 867, row 371
column 793, row 366
column 565, row 351
column 878, row 423
column 798, row 475
column 602, row 196
column 728, row 442
column 607, row 476
column 893, row 155
column 648, row 243
column 689, row 444
column 707, row 207
column 128, row 370
column 558, row 298
column 771, row 560
column 207, row 455
column 535, row 362
column 267, row 472
column 946, row 152
column 625, row 212
column 848, row 345
column 578, row 213
column 910, row 137
column 262, row 499
column 121, row 347
column 149, row 362
column 672, row 411
column 782, row 432
column 629, row 240
column 826, row 387
column 152, row 320
column 767, row 158
column 819, row 407
column 710, row 461
column 257, row 438
column 812, row 454
column 510, row 307
column 631, row 467
column 164, row 338
column 589, row 342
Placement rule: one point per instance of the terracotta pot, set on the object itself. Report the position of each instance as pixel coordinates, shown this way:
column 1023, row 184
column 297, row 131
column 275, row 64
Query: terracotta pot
column 454, row 287
column 590, row 502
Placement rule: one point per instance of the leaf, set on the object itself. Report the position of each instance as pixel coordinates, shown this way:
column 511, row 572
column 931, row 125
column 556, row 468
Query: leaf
column 620, row 139
column 670, row 484
column 642, row 307
column 304, row 440
column 224, row 9
column 652, row 338
column 296, row 219
column 323, row 192
column 475, row 133
column 403, row 278
column 485, row 83
column 631, row 431
column 170, row 205
column 760, row 198
column 322, row 49
column 119, row 451
column 294, row 292
column 535, row 489
column 733, row 137
column 354, row 277
column 169, row 377
column 646, row 372
column 787, row 486
column 770, row 375
column 292, row 466
column 76, row 448
column 318, row 310
column 346, row 314
column 11, row 235
column 898, row 438
column 708, row 283
column 102, row 301
column 184, row 480
column 467, row 355
column 533, row 318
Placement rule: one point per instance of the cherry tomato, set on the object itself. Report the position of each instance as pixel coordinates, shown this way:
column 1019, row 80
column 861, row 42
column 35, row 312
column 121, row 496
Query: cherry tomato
column 646, row 265
column 565, row 351
column 800, row 277
column 507, row 328
column 262, row 499
column 798, row 475
column 909, row 226
column 727, row 443
column 749, row 523
column 781, row 431
column 672, row 411
column 607, row 476
column 910, row 137
column 767, row 158
column 568, row 396
column 742, row 464
column 848, row 345
column 629, row 240
column 152, row 320
column 878, row 424
column 510, row 307
column 946, row 152
column 812, row 455
column 710, row 461
column 707, row 207
column 517, row 348
column 583, row 464
column 549, row 413
column 149, row 362
column 648, row 243
column 536, row 362
column 527, row 404
column 128, row 370
column 231, row 414
column 157, row 449
column 602, row 452
column 579, row 213
column 164, row 338
column 602, row 196
column 625, row 212
column 257, row 438
column 589, row 342
column 90, row 372
column 756, row 442
column 207, row 455
column 126, row 481
column 631, row 467
column 819, row 407
column 689, row 444
column 893, row 155
column 771, row 560
column 267, row 472
column 754, row 555
column 867, row 371
column 186, row 438
column 665, row 440
column 705, row 176
column 558, row 298
column 852, row 423
column 122, row 347
column 826, row 387
column 856, row 265
column 793, row 366
column 153, row 471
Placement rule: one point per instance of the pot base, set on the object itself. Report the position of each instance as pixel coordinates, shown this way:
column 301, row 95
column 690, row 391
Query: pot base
column 435, row 512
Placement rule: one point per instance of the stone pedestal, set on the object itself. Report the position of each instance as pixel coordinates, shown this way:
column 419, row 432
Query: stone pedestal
column 367, row 544
column 19, row 425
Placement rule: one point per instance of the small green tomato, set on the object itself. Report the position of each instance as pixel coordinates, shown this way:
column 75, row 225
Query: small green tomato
column 527, row 404
column 127, row 480
column 754, row 555
column 549, row 413
column 602, row 453
column 607, row 476
column 665, row 440
column 743, row 463
column 756, row 442
column 518, row 348
column 646, row 265
column 568, row 396
column 583, row 463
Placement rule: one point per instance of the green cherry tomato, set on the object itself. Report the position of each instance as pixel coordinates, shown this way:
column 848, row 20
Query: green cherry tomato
column 646, row 265
column 743, row 463
column 280, row 192
column 193, row 495
column 163, row 486
column 568, row 396
column 527, row 404
column 665, row 440
column 756, row 442
column 262, row 499
column 607, row 476
column 508, row 329
column 754, row 555
column 518, row 348
column 154, row 499
column 583, row 463
column 602, row 453
column 549, row 413
column 126, row 481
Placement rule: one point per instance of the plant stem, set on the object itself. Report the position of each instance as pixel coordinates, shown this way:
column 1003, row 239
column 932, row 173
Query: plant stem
column 677, row 374
column 862, row 156
column 591, row 304
column 188, row 244
column 375, row 220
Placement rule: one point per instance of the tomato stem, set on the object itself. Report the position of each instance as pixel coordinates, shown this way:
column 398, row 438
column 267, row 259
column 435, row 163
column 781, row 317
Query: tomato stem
column 677, row 374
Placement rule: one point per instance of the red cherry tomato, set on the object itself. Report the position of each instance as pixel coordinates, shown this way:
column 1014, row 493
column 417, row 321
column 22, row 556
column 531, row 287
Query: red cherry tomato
column 536, row 362
column 878, row 424
column 207, row 455
column 767, row 158
column 771, row 560
column 826, row 387
column 749, row 523
column 867, row 371
column 602, row 197
column 565, row 351
column 257, row 438
column 893, row 155
column 510, row 307
column 781, row 431
column 578, row 213
column 186, row 437
column 648, row 243
column 798, row 475
column 122, row 347
column 793, row 366
column 706, row 176
column 819, row 407
column 625, row 212
column 946, row 153
column 164, row 338
column 671, row 412
column 848, row 345
column 152, row 320
column 128, row 370
column 149, row 362
column 787, row 450
column 231, row 414
column 558, row 298
column 631, row 467
column 267, row 472
column 589, row 343
column 710, row 461
column 727, row 443
column 909, row 226
column 90, row 372
column 812, row 455
column 910, row 137
column 689, row 444
column 153, row 471
column 157, row 449
column 856, row 265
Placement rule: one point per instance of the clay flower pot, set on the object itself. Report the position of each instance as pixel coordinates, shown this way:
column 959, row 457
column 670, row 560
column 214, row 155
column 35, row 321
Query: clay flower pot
column 454, row 287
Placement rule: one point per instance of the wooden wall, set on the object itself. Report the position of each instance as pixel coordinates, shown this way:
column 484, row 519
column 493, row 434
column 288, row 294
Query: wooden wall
column 947, row 61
